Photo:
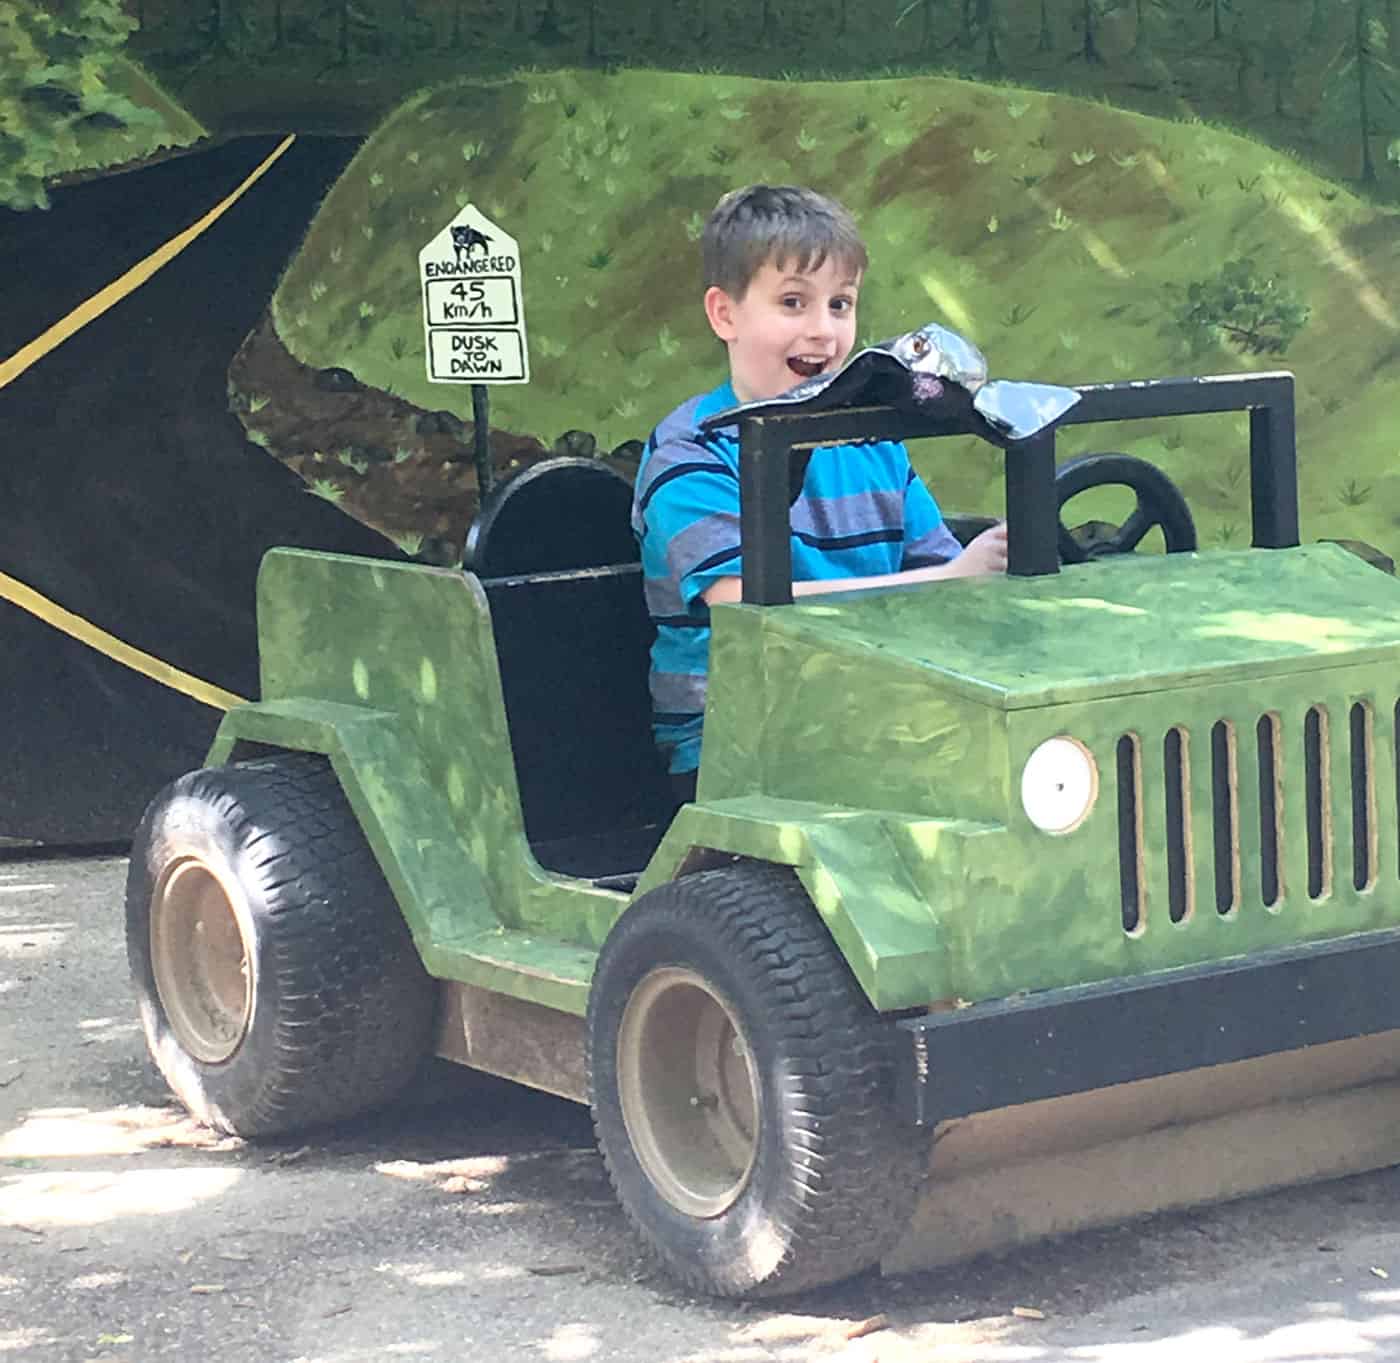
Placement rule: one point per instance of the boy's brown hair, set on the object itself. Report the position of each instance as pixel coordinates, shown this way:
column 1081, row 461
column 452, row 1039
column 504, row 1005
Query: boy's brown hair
column 781, row 223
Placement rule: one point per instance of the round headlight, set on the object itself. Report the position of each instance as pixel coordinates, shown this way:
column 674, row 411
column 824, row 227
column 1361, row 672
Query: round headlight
column 1059, row 785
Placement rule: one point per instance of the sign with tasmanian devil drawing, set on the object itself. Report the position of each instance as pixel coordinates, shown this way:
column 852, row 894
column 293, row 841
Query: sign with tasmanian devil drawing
column 473, row 306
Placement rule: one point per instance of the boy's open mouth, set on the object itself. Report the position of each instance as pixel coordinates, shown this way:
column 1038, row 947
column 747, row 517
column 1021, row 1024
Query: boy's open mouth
column 806, row 368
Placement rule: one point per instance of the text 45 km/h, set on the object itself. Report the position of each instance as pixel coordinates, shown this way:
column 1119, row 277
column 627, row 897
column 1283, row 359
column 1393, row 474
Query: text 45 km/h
column 479, row 302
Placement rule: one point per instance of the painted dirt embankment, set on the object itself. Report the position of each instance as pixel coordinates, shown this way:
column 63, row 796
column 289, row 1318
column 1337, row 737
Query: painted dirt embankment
column 1059, row 234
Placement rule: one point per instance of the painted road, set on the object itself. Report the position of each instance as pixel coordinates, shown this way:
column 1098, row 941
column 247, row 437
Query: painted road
column 128, row 495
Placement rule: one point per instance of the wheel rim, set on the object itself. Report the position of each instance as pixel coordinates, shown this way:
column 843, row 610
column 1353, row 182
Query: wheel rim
column 202, row 966
column 689, row 1091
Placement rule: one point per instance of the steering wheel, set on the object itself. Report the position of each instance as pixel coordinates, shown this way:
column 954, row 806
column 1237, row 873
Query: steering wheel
column 1159, row 502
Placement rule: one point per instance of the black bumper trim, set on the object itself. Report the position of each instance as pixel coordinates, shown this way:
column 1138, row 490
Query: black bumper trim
column 1062, row 1041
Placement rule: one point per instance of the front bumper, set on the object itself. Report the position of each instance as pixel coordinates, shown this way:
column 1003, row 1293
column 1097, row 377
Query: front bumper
column 1057, row 1042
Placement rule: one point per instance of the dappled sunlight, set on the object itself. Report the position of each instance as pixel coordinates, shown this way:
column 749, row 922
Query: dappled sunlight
column 420, row 1274
column 1090, row 603
column 851, row 1340
column 1309, row 221
column 70, row 1132
column 424, row 1171
column 569, row 1342
column 108, row 1029
column 941, row 294
column 88, row 1282
column 27, row 1337
column 40, row 1201
column 1319, row 632
column 1314, row 1341
column 18, row 940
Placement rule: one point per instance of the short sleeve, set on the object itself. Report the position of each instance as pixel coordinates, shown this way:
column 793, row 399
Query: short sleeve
column 927, row 539
column 687, row 517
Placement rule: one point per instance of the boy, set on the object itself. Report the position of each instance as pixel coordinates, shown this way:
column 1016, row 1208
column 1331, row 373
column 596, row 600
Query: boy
column 783, row 269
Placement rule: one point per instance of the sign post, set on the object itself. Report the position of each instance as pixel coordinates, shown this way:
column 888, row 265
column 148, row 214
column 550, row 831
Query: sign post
column 474, row 318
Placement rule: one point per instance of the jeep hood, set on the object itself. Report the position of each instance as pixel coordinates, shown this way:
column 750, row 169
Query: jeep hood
column 1124, row 625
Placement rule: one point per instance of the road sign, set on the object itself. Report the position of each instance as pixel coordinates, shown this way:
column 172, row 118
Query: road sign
column 473, row 308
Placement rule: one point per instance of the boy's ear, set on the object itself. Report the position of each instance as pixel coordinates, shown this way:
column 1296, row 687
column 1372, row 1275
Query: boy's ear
column 719, row 309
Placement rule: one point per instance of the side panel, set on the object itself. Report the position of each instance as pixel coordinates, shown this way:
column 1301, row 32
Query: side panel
column 390, row 670
column 801, row 712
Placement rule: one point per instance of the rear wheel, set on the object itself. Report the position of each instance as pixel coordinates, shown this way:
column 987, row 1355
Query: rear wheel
column 278, row 985
column 741, row 1088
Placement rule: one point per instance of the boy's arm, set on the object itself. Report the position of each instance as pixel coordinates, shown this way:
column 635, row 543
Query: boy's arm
column 986, row 554
column 928, row 545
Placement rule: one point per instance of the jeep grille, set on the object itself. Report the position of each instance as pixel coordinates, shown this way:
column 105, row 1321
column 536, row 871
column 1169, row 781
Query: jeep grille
column 1252, row 815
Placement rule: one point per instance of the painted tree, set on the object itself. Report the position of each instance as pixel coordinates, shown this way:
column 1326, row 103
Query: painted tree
column 56, row 64
column 1092, row 13
column 548, row 29
column 987, row 21
column 1318, row 24
column 592, row 46
column 1362, row 88
column 928, row 23
column 354, row 27
column 225, row 25
column 1147, row 12
column 1278, row 59
column 1219, row 11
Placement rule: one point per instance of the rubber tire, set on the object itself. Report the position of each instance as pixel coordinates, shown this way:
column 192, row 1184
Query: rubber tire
column 835, row 1177
column 342, row 1009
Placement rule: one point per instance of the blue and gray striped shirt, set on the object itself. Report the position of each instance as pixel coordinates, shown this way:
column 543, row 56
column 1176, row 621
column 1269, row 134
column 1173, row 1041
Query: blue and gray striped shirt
column 862, row 511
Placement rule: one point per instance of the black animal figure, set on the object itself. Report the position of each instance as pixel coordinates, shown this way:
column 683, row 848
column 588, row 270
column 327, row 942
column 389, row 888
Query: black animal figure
column 466, row 239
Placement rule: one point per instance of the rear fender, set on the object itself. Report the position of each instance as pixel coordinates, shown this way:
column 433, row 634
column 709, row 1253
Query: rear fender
column 439, row 887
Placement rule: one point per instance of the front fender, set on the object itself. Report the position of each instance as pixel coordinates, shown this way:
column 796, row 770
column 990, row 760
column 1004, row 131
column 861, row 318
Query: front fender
column 854, row 865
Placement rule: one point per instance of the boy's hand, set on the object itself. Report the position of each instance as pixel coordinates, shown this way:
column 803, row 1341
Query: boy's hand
column 985, row 554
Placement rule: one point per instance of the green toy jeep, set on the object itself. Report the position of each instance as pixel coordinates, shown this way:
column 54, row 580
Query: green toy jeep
column 1006, row 905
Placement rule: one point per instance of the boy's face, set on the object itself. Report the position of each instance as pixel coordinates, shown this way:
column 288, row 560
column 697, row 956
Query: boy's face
column 790, row 325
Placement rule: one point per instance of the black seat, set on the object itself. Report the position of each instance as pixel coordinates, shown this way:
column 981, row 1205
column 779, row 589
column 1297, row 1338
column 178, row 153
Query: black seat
column 557, row 514
column 558, row 561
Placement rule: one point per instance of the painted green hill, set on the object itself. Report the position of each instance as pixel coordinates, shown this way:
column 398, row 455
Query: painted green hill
column 1059, row 234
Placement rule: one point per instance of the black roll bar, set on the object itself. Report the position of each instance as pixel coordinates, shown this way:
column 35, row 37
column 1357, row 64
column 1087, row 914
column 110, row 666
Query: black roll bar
column 767, row 443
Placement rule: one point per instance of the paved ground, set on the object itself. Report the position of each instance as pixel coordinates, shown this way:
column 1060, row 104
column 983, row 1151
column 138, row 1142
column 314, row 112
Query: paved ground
column 477, row 1224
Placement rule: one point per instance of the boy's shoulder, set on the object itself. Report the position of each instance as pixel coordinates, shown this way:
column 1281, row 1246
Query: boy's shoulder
column 683, row 423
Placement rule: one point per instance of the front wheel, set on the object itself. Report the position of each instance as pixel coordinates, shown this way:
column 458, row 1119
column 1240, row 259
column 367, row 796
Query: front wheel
column 741, row 1088
column 278, row 985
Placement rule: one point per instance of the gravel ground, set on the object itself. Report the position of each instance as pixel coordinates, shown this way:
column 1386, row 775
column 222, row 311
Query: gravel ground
column 475, row 1222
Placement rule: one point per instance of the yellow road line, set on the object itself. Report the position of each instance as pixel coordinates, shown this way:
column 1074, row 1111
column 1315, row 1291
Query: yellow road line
column 26, row 598
column 132, row 280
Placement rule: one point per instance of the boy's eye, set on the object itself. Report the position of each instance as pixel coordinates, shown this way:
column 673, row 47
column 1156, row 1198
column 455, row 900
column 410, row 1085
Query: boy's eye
column 792, row 300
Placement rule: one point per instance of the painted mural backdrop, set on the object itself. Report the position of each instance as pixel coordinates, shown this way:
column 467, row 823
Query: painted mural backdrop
column 1090, row 189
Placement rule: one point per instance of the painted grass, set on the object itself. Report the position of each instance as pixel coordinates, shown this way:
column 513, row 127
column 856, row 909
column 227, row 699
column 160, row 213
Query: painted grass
column 1052, row 231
